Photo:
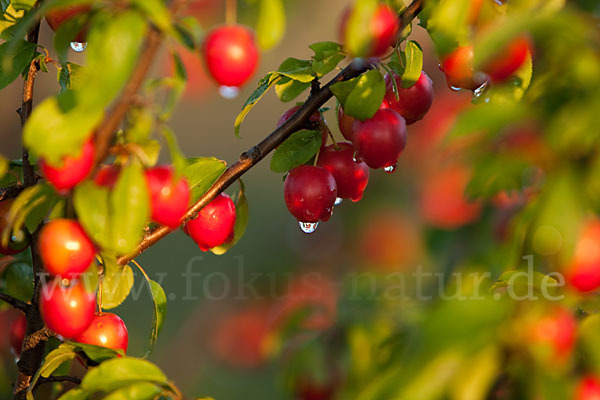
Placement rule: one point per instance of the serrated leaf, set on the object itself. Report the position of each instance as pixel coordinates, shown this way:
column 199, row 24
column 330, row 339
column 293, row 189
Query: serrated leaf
column 116, row 283
column 413, row 65
column 270, row 27
column 201, row 173
column 241, row 221
column 361, row 97
column 300, row 147
column 130, row 208
column 263, row 86
column 288, row 89
column 14, row 60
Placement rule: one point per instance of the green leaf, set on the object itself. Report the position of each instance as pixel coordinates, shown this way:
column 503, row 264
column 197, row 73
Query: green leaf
column 54, row 359
column 327, row 56
column 299, row 70
column 18, row 279
column 121, row 372
column 201, row 173
column 96, row 353
column 241, row 221
column 73, row 394
column 361, row 97
column 129, row 208
column 288, row 89
column 116, row 283
column 263, row 86
column 92, row 208
column 511, row 91
column 4, row 166
column 359, row 40
column 14, row 60
column 138, row 391
column 413, row 64
column 523, row 282
column 485, row 118
column 177, row 157
column 300, row 147
column 270, row 27
column 447, row 23
column 188, row 32
column 160, row 309
column 157, row 13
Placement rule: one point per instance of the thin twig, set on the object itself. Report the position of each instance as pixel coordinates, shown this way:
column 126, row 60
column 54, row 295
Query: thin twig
column 16, row 303
column 54, row 379
column 250, row 158
column 10, row 192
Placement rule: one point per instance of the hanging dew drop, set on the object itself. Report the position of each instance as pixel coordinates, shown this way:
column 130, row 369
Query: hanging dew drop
column 229, row 92
column 338, row 201
column 78, row 46
column 479, row 91
column 390, row 169
column 456, row 89
column 308, row 227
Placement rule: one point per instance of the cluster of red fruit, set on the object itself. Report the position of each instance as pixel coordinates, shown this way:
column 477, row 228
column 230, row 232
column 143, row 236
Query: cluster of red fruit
column 342, row 169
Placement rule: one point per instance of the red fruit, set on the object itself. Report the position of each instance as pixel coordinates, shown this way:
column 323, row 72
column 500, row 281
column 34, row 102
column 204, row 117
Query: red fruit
column 350, row 177
column 383, row 30
column 316, row 122
column 458, row 68
column 443, row 202
column 310, row 193
column 309, row 390
column 18, row 241
column 588, row 388
column 379, row 141
column 58, row 16
column 412, row 103
column 107, row 176
column 583, row 272
column 169, row 199
column 17, row 334
column 557, row 331
column 509, row 60
column 231, row 54
column 214, row 224
column 106, row 330
column 65, row 248
column 348, row 124
column 67, row 310
column 72, row 170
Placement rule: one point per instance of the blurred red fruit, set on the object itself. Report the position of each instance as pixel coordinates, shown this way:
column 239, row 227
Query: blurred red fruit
column 56, row 17
column 17, row 334
column 383, row 30
column 583, row 272
column 169, row 198
column 557, row 331
column 508, row 60
column 588, row 388
column 107, row 176
column 72, row 170
column 65, row 248
column 458, row 68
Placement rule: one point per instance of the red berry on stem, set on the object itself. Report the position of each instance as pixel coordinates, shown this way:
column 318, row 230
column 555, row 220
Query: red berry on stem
column 17, row 334
column 383, row 30
column 583, row 272
column 106, row 330
column 316, row 122
column 231, row 54
column 18, row 241
column 458, row 68
column 413, row 102
column 348, row 124
column 588, row 388
column 310, row 193
column 379, row 141
column 72, row 170
column 67, row 310
column 58, row 16
column 214, row 224
column 65, row 248
column 350, row 177
column 169, row 198
column 509, row 60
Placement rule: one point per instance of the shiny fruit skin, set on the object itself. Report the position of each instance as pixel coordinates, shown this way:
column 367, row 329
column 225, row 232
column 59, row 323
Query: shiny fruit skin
column 65, row 248
column 73, row 169
column 509, row 60
column 379, row 141
column 214, row 224
column 17, row 334
column 231, row 54
column 351, row 177
column 458, row 68
column 588, row 388
column 348, row 124
column 383, row 30
column 107, row 176
column 58, row 16
column 443, row 201
column 18, row 241
column 310, row 193
column 67, row 310
column 106, row 330
column 316, row 122
column 169, row 199
column 412, row 103
column 583, row 272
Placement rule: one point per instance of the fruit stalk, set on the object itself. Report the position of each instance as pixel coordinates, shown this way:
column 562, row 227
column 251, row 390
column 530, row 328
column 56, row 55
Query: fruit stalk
column 251, row 157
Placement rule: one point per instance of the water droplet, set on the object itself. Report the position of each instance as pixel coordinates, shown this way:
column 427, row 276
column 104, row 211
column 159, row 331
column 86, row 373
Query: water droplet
column 78, row 46
column 308, row 227
column 229, row 92
column 455, row 88
column 390, row 169
column 479, row 91
column 500, row 2
column 338, row 201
